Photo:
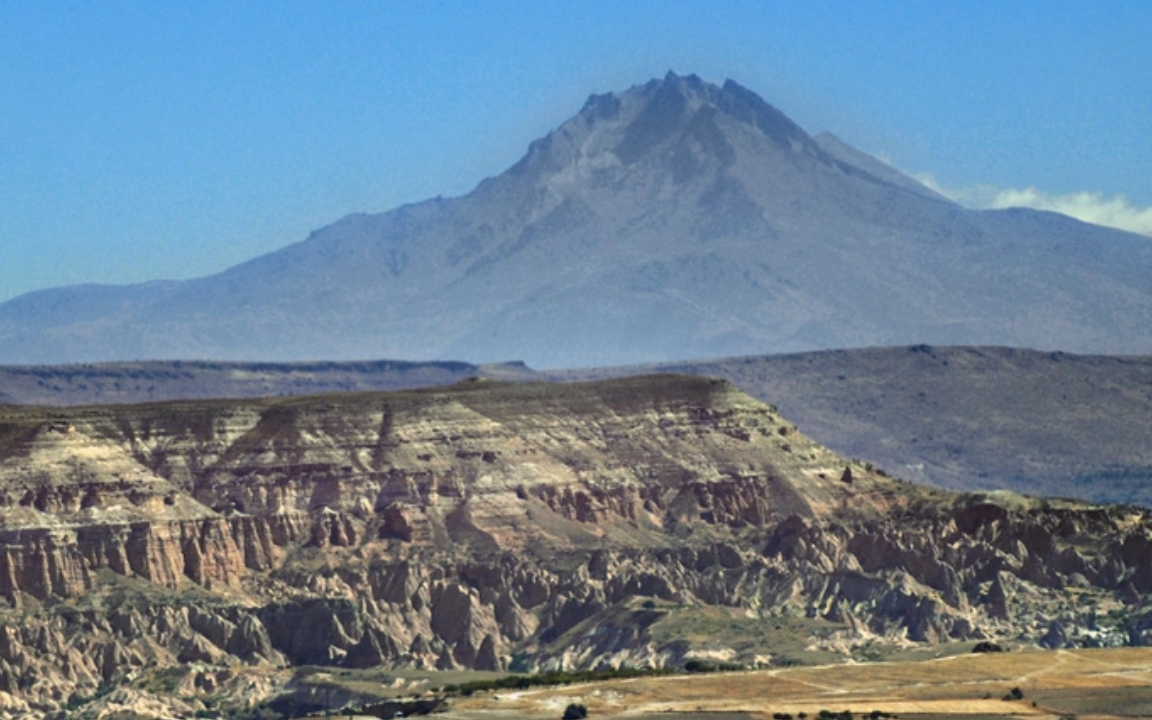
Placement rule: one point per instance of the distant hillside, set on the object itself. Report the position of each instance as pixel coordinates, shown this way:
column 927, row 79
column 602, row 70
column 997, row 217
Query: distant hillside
column 1050, row 424
column 676, row 219
column 962, row 418
column 109, row 383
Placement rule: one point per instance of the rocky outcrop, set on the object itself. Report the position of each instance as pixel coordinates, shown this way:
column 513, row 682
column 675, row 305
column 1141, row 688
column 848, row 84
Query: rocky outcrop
column 561, row 525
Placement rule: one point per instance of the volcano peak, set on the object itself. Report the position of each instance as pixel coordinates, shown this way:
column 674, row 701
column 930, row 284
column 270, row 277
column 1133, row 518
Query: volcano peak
column 671, row 220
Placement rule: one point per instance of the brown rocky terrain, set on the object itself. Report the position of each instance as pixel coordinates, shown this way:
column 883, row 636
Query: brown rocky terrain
column 961, row 418
column 191, row 548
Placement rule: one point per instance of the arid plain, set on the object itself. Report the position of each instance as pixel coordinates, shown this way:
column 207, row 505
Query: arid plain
column 1102, row 683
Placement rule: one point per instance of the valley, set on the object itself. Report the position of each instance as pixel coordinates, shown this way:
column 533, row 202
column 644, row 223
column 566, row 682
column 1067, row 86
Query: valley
column 213, row 551
column 677, row 411
column 260, row 534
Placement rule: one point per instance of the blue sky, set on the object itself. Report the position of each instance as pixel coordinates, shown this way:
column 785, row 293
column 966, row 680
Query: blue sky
column 146, row 140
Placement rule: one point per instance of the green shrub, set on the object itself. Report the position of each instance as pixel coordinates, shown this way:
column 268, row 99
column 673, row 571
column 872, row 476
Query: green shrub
column 575, row 711
column 703, row 666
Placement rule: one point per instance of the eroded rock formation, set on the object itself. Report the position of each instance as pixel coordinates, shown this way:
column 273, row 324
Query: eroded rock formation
column 464, row 527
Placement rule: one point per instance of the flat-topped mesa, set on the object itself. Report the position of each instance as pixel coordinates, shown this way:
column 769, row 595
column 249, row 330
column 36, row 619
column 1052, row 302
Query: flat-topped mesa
column 201, row 490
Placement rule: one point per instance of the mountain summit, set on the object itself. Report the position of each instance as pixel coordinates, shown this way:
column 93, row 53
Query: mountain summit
column 675, row 219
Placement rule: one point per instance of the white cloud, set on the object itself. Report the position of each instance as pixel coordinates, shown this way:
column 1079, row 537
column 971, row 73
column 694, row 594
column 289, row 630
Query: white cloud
column 1090, row 207
column 1093, row 207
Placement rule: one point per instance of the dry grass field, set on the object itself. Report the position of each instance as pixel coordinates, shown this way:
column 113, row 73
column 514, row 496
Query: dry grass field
column 1106, row 683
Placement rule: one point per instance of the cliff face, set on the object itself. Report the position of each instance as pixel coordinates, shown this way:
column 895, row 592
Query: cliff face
column 469, row 526
column 202, row 492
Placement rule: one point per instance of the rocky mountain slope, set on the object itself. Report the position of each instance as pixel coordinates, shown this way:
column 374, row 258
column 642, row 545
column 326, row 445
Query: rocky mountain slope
column 677, row 219
column 186, row 546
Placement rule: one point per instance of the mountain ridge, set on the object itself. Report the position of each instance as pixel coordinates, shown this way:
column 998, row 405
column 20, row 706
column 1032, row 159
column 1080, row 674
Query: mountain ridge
column 673, row 220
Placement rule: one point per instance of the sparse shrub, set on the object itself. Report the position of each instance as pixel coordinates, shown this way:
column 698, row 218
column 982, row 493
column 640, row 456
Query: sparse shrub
column 575, row 711
column 76, row 701
column 703, row 666
column 1014, row 694
column 986, row 646
column 519, row 663
column 648, row 604
column 781, row 716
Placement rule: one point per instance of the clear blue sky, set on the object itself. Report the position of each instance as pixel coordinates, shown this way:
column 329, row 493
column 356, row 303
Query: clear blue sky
column 145, row 140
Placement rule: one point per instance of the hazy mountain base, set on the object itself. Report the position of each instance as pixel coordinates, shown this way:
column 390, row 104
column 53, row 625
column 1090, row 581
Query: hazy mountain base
column 1049, row 424
column 168, row 547
column 965, row 418
column 158, row 380
column 675, row 220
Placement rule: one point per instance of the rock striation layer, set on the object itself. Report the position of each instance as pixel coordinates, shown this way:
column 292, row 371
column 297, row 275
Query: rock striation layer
column 487, row 525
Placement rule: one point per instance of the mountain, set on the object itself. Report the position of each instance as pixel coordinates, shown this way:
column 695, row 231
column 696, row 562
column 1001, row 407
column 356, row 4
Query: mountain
column 677, row 219
column 198, row 552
